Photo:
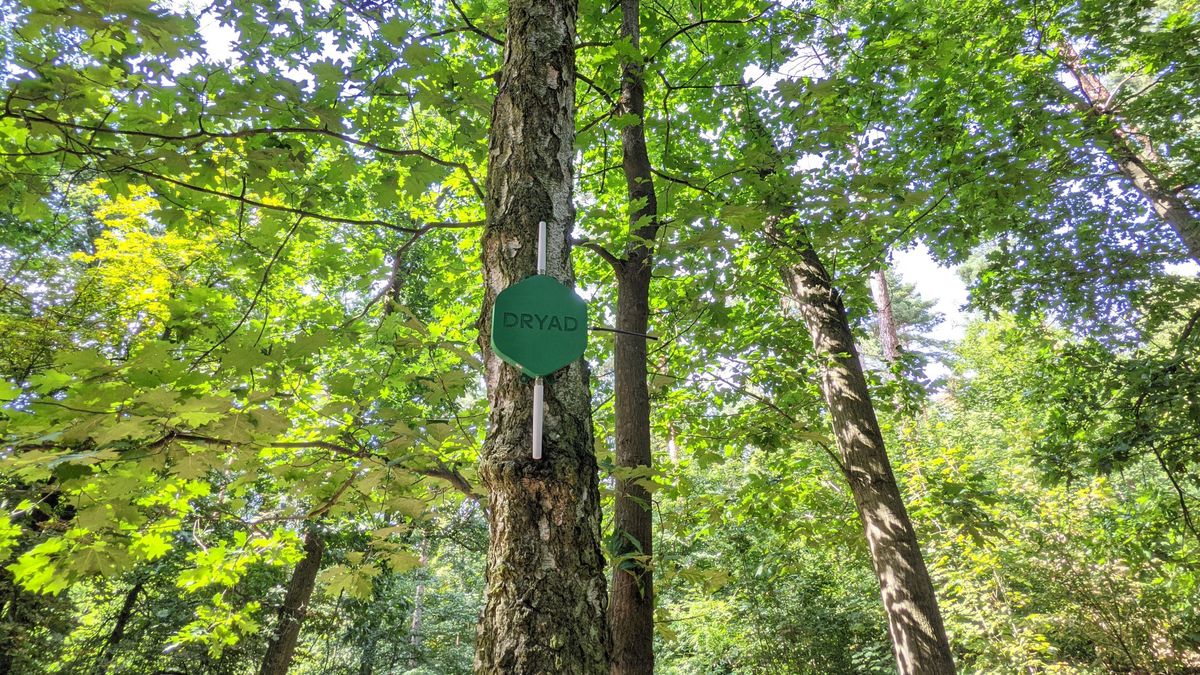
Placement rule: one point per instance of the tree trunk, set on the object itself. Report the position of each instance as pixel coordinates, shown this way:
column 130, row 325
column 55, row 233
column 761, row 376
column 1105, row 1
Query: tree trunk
column 672, row 445
column 366, row 662
column 295, row 606
column 915, row 625
column 632, row 612
column 114, row 638
column 415, row 626
column 546, row 603
column 1132, row 152
column 371, row 630
column 889, row 336
column 10, row 625
column 914, row 621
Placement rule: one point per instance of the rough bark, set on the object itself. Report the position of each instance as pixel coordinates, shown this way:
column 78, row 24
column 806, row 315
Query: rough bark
column 915, row 625
column 109, row 652
column 546, row 603
column 914, row 621
column 282, row 647
column 632, row 611
column 1133, row 153
column 889, row 336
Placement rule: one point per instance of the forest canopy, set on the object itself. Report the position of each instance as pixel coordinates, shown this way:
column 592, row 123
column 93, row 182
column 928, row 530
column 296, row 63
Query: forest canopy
column 253, row 418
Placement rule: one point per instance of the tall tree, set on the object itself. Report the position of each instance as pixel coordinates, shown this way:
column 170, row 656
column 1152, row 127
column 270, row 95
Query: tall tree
column 546, row 602
column 889, row 334
column 113, row 642
column 914, row 621
column 915, row 624
column 632, row 611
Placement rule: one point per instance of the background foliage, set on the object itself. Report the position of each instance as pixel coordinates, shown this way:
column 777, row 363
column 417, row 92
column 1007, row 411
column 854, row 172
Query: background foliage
column 239, row 285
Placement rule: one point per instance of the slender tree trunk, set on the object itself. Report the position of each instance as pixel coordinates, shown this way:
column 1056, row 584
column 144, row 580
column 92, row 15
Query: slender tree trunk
column 889, row 336
column 10, row 628
column 366, row 662
column 370, row 630
column 1133, row 153
column 632, row 612
column 546, row 603
column 414, row 626
column 109, row 652
column 295, row 606
column 914, row 621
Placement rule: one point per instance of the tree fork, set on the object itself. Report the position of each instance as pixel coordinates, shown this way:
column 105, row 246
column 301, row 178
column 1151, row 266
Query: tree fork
column 546, row 602
column 1132, row 152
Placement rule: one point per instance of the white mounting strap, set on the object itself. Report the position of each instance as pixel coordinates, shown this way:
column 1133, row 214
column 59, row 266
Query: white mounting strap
column 538, row 388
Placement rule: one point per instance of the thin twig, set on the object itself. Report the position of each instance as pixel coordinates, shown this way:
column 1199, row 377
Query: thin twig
column 473, row 28
column 262, row 283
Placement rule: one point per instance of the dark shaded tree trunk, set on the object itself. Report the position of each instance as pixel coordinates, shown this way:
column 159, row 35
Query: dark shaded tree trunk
column 914, row 621
column 632, row 611
column 109, row 652
column 366, row 662
column 546, row 601
column 282, row 647
column 889, row 336
column 1132, row 152
column 9, row 628
column 371, row 632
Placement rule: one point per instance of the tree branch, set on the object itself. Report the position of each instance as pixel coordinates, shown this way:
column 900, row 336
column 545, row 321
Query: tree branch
column 262, row 283
column 295, row 211
column 28, row 116
column 617, row 263
column 473, row 28
column 452, row 476
column 681, row 181
column 706, row 22
column 588, row 81
column 441, row 471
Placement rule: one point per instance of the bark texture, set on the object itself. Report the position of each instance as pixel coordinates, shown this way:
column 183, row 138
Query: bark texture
column 282, row 647
column 914, row 620
column 889, row 336
column 1133, row 153
column 546, row 602
column 632, row 612
column 915, row 624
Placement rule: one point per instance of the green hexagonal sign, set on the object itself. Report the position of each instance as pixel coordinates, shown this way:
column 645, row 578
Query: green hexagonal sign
column 539, row 325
